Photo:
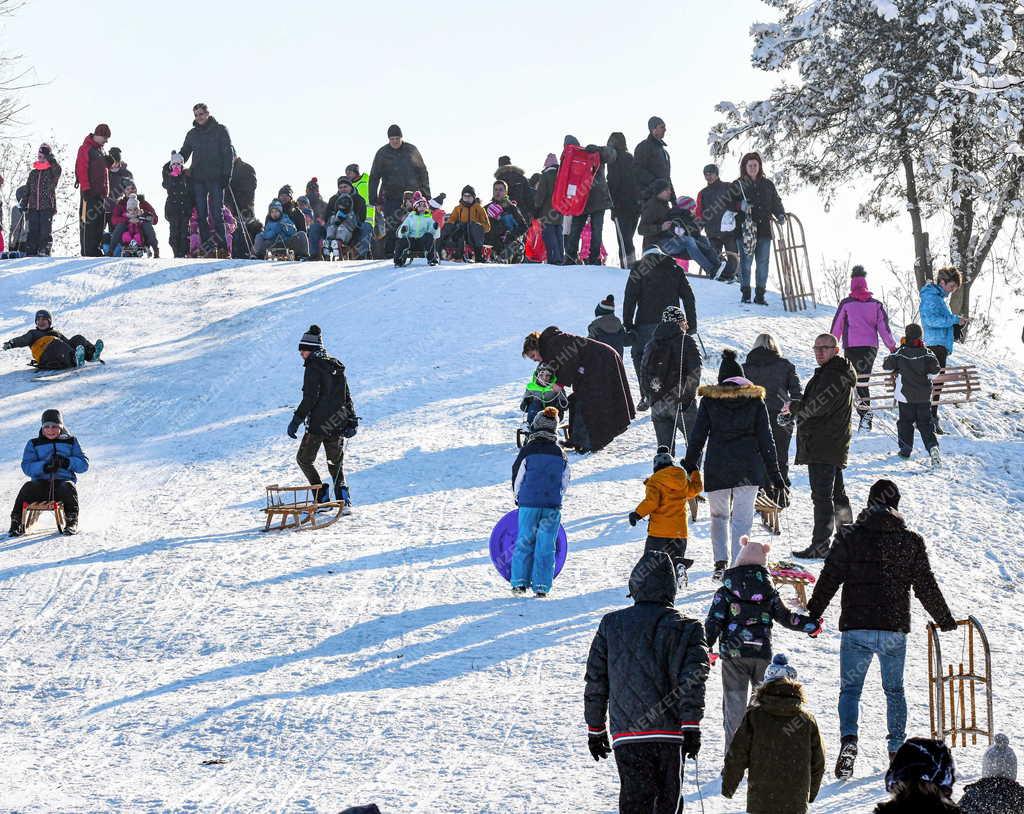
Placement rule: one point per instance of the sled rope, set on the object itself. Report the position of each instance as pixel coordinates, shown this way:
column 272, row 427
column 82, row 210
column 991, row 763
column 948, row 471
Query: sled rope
column 679, row 394
column 681, row 803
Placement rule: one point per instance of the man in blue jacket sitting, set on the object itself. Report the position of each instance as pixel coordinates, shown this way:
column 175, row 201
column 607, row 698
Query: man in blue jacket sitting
column 53, row 461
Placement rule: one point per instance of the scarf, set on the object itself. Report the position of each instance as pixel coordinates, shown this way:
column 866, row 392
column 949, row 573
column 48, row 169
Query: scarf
column 542, row 435
column 40, row 165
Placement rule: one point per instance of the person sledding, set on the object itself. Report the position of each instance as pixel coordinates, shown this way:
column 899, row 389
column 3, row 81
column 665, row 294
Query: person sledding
column 52, row 460
column 645, row 677
column 418, row 232
column 329, row 416
column 51, row 350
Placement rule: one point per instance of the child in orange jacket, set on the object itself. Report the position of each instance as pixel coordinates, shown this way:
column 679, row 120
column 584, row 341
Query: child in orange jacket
column 668, row 492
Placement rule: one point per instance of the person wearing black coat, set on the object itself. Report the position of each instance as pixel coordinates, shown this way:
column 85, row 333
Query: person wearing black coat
column 607, row 327
column 397, row 168
column 646, row 673
column 599, row 199
column 671, row 369
column 766, row 366
column 651, row 158
column 518, row 187
column 823, row 440
column 179, row 203
column 208, row 144
column 713, row 202
column 759, row 201
column 877, row 561
column 329, row 416
column 654, row 283
column 732, row 421
column 241, row 200
column 625, row 192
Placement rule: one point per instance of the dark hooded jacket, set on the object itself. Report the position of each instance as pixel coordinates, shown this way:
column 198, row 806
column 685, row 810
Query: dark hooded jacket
column 180, row 200
column 652, row 286
column 395, row 172
column 779, row 746
column 776, row 374
column 993, row 795
column 764, row 200
column 914, row 365
column 733, row 421
column 358, row 206
column 877, row 561
column 597, row 377
column 119, row 179
column 326, row 404
column 648, row 664
column 823, row 414
column 672, row 358
column 608, row 328
column 209, row 146
column 243, row 189
column 518, row 189
column 742, row 612
column 42, row 187
column 622, row 184
column 653, row 214
column 50, row 348
column 652, row 161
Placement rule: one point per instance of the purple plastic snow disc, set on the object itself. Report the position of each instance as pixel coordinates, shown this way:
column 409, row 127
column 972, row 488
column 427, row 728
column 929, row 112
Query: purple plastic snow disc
column 503, row 543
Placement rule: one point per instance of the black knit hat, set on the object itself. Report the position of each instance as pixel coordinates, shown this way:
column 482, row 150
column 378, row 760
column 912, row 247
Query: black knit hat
column 285, row 190
column 730, row 367
column 394, row 130
column 658, row 185
column 52, row 417
column 922, row 760
column 468, row 190
column 884, row 493
column 42, row 312
column 312, row 339
column 663, row 458
column 114, row 153
column 344, row 179
column 504, row 161
column 606, row 306
column 913, row 331
column 352, row 168
column 858, row 271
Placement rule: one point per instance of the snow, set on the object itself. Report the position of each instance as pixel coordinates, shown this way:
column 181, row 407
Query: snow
column 383, row 659
column 886, row 9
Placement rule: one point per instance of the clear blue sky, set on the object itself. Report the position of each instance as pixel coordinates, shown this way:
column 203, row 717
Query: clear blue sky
column 305, row 88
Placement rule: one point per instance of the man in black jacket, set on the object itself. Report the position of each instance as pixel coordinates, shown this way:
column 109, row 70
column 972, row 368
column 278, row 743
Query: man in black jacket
column 654, row 283
column 876, row 561
column 823, row 440
column 517, row 185
column 713, row 203
column 208, row 143
column 397, row 168
column 646, row 673
column 671, row 372
column 625, row 194
column 651, row 157
column 327, row 410
column 242, row 203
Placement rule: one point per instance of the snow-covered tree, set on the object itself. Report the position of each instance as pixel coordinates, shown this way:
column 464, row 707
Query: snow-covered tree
column 920, row 98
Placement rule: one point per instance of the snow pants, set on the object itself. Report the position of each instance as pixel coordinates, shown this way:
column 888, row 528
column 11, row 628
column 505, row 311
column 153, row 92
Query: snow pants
column 297, row 243
column 423, row 244
column 648, row 777
column 572, row 242
column 915, row 415
column 91, row 225
column 533, row 559
column 455, row 236
column 669, row 420
column 309, row 448
column 64, row 491
column 675, row 547
column 739, row 675
column 177, row 225
column 732, row 510
column 863, row 361
column 40, row 223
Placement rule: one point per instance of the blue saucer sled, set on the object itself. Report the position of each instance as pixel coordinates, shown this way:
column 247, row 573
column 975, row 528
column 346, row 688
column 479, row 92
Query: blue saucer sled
column 503, row 543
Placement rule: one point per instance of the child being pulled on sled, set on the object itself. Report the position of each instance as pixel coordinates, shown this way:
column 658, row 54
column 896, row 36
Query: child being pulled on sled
column 51, row 350
column 668, row 491
column 538, row 396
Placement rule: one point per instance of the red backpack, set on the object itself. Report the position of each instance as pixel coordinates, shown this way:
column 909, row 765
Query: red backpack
column 575, row 177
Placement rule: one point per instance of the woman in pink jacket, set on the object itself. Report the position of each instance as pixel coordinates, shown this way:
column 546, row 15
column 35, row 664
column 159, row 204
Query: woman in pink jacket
column 859, row 322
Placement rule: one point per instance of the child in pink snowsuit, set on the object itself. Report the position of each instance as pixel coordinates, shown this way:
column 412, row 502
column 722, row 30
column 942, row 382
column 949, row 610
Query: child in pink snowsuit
column 193, row 230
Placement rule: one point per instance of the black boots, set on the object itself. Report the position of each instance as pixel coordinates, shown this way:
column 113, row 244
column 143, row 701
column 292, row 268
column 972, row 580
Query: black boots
column 17, row 529
column 847, row 756
column 745, row 292
column 815, row 551
column 759, row 297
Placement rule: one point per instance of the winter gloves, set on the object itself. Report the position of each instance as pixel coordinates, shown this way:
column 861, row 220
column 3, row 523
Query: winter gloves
column 634, row 518
column 7, row 346
column 293, row 428
column 350, row 428
column 599, row 746
column 691, row 742
column 781, row 484
column 948, row 625
column 56, row 463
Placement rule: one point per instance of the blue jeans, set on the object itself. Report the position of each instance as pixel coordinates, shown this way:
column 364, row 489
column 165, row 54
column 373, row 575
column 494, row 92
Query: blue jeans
column 315, row 234
column 762, row 254
column 551, row 233
column 855, row 653
column 209, row 197
column 697, row 249
column 533, row 560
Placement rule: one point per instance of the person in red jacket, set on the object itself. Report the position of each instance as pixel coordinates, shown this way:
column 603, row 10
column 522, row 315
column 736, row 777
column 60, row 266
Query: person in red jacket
column 122, row 219
column 92, row 182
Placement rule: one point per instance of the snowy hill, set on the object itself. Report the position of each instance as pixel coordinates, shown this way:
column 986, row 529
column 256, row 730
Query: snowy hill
column 383, row 659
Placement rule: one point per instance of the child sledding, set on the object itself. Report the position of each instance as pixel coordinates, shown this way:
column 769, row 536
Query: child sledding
column 51, row 350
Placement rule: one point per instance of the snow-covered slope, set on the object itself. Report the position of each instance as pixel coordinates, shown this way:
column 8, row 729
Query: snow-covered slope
column 383, row 659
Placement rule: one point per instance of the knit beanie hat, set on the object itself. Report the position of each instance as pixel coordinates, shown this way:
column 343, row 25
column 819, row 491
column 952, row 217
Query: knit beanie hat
column 343, row 180
column 606, row 306
column 858, row 271
column 921, row 759
column 52, row 417
column 312, row 339
column 663, row 458
column 654, row 121
column 730, row 367
column 711, row 168
column 551, row 161
column 276, row 204
column 575, row 142
column 779, row 668
column 912, row 332
column 176, row 158
column 504, row 161
column 673, row 313
column 114, row 153
column 312, row 184
column 42, row 312
column 352, row 168
column 752, row 552
column 102, row 130
column 394, row 130
column 686, row 202
column 285, row 190
column 999, row 760
column 437, row 201
column 468, row 190
column 884, row 493
column 546, row 420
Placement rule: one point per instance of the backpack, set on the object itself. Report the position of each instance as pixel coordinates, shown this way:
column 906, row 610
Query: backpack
column 657, row 366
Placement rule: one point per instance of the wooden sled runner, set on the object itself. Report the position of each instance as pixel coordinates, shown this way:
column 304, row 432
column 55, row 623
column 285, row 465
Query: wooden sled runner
column 786, row 573
column 793, row 264
column 769, row 511
column 296, row 507
column 951, row 385
column 30, row 513
column 952, row 696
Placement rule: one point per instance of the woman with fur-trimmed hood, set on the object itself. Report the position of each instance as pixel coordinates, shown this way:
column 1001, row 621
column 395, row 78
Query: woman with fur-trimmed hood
column 732, row 421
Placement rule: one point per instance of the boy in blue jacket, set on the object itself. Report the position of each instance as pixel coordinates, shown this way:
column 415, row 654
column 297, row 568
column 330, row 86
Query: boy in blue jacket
column 278, row 228
column 540, row 477
column 52, row 460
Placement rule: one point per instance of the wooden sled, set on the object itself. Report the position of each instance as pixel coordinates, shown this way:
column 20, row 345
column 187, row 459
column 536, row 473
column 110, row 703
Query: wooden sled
column 795, row 576
column 952, row 699
column 30, row 513
column 951, row 385
column 793, row 264
column 769, row 511
column 296, row 508
column 279, row 254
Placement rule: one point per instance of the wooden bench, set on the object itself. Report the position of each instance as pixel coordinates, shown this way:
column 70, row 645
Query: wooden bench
column 31, row 512
column 297, row 508
column 951, row 385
